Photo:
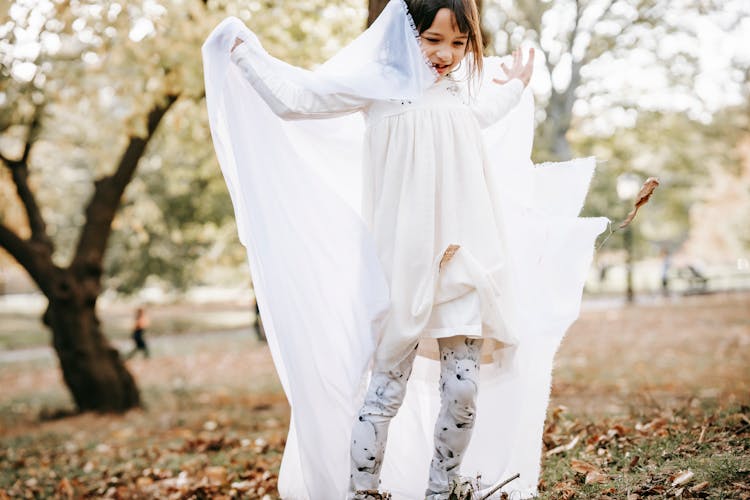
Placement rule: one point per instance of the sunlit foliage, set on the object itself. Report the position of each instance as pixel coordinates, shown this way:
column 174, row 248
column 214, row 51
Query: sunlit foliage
column 95, row 68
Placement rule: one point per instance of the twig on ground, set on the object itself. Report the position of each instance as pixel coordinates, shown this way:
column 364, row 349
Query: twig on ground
column 498, row 486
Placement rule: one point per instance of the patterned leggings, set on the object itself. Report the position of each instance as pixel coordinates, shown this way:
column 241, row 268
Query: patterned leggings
column 459, row 378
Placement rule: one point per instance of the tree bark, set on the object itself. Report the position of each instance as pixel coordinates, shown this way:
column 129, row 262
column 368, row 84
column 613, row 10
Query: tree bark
column 92, row 369
column 554, row 128
column 374, row 8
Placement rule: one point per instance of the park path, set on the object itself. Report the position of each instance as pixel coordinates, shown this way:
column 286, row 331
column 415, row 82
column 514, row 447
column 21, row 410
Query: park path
column 191, row 340
column 157, row 344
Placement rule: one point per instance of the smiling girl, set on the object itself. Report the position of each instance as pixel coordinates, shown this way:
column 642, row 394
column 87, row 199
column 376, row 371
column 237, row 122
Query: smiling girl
column 434, row 269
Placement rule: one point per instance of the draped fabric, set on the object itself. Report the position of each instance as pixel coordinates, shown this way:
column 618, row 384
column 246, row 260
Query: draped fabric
column 321, row 288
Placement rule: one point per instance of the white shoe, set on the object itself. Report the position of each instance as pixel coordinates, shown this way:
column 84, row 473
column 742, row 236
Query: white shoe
column 460, row 488
column 463, row 488
column 466, row 488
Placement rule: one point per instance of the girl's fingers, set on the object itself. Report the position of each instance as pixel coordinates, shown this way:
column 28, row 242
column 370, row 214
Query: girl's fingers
column 518, row 69
column 530, row 64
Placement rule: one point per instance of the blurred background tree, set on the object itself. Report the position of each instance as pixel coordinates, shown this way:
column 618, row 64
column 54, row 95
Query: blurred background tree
column 90, row 91
column 634, row 83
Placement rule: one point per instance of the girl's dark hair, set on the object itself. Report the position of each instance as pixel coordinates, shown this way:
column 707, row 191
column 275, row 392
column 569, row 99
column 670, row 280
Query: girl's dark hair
column 466, row 16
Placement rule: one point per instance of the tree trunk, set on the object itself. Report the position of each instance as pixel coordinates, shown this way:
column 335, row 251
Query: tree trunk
column 554, row 129
column 92, row 369
column 374, row 8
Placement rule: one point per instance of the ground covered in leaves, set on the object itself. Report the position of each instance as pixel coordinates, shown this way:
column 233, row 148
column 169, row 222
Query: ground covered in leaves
column 649, row 401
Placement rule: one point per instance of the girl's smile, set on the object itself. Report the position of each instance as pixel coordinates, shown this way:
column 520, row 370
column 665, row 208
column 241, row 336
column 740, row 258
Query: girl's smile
column 443, row 43
column 441, row 68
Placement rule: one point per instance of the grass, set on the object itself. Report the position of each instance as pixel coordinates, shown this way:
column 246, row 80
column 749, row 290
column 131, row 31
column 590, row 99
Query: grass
column 653, row 393
column 644, row 463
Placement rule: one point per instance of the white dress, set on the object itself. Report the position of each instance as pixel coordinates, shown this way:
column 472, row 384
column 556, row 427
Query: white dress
column 340, row 281
column 425, row 191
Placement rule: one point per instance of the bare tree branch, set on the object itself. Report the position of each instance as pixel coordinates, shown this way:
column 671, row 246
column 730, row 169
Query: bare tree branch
column 20, row 173
column 31, row 137
column 26, row 252
column 17, row 247
column 101, row 209
column 574, row 31
column 533, row 18
column 604, row 13
column 594, row 51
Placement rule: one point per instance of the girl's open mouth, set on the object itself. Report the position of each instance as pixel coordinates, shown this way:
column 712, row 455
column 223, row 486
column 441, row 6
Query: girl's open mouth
column 441, row 68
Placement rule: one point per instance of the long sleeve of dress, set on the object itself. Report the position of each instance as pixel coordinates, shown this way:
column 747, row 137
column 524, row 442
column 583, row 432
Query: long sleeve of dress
column 496, row 100
column 287, row 100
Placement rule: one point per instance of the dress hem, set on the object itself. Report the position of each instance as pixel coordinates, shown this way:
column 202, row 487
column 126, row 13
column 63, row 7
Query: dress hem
column 473, row 330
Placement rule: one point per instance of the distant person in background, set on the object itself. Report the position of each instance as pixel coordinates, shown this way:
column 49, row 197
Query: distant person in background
column 141, row 323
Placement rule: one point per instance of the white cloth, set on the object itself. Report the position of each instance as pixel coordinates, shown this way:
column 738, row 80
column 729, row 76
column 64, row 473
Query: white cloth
column 320, row 274
column 424, row 190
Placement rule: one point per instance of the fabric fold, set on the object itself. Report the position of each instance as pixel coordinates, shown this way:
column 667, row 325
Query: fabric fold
column 454, row 278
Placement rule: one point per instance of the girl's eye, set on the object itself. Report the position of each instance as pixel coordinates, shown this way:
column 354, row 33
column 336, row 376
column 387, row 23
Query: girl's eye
column 458, row 44
column 432, row 40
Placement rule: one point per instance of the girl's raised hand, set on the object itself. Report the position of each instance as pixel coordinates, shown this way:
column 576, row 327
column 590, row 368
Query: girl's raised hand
column 518, row 69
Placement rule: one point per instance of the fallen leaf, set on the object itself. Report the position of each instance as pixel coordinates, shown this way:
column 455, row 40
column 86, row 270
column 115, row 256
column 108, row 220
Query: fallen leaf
column 699, row 487
column 243, row 485
column 582, row 467
column 654, row 425
column 216, row 474
column 682, row 478
column 643, row 196
column 565, row 490
column 596, row 477
column 65, row 489
column 564, row 447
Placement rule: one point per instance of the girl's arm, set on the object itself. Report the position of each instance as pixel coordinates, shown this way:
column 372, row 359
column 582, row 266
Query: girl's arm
column 287, row 100
column 496, row 101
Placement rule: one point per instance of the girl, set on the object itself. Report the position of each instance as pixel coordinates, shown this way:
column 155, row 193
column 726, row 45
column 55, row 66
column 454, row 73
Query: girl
column 461, row 252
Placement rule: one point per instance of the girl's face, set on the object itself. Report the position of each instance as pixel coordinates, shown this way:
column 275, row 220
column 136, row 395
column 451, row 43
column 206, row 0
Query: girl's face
column 443, row 44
